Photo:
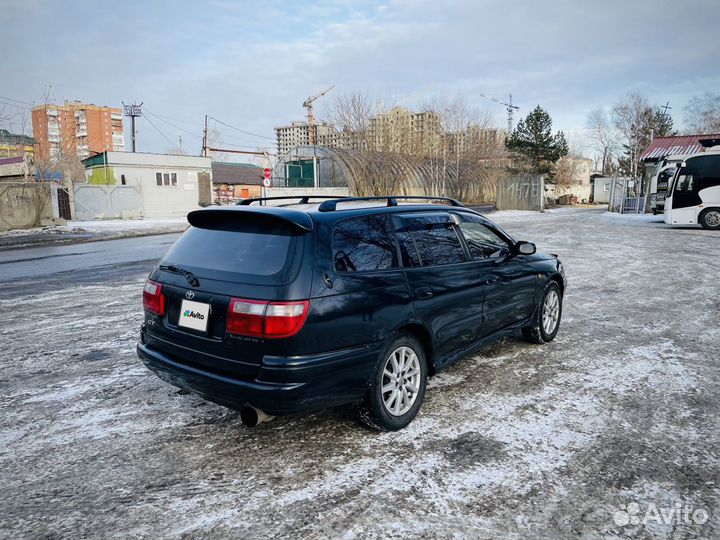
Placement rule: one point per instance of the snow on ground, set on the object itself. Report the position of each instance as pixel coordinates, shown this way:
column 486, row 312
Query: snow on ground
column 102, row 226
column 126, row 224
column 519, row 441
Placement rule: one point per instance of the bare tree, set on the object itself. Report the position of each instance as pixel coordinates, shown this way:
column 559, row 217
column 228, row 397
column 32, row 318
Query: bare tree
column 445, row 149
column 215, row 140
column 566, row 170
column 54, row 163
column 702, row 114
column 372, row 137
column 638, row 122
column 603, row 138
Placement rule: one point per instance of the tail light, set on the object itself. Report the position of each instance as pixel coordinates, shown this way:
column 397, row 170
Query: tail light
column 266, row 319
column 153, row 298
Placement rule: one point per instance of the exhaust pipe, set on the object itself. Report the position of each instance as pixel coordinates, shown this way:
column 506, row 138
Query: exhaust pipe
column 251, row 417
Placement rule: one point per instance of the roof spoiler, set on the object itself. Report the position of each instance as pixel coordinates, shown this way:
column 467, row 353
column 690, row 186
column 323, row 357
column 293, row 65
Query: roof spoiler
column 226, row 215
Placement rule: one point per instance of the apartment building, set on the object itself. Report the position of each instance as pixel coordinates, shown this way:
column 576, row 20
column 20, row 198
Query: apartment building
column 77, row 128
column 298, row 134
column 404, row 131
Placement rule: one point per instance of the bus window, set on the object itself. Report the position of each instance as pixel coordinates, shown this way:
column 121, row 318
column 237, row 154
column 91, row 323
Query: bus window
column 685, row 182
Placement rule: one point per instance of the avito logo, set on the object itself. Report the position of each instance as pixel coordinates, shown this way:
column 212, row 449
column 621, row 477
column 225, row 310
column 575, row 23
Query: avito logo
column 193, row 314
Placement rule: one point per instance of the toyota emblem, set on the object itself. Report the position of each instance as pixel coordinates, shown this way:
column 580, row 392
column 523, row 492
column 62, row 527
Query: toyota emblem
column 189, row 295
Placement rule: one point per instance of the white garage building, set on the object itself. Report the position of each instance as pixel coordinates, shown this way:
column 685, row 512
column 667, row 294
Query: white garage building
column 168, row 185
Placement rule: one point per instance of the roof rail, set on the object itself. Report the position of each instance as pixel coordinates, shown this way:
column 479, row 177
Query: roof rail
column 330, row 206
column 302, row 199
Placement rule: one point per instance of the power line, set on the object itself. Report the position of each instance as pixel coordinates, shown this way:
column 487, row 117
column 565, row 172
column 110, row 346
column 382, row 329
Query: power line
column 2, row 100
column 167, row 118
column 242, row 130
column 16, row 100
column 171, row 143
column 173, row 125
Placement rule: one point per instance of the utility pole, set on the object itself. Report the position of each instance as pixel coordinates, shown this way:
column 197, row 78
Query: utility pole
column 133, row 111
column 205, row 138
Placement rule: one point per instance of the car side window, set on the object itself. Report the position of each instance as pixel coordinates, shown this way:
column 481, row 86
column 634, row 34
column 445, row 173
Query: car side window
column 363, row 245
column 482, row 241
column 428, row 241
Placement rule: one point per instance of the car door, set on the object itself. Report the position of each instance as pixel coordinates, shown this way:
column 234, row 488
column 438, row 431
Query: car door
column 360, row 292
column 443, row 281
column 509, row 280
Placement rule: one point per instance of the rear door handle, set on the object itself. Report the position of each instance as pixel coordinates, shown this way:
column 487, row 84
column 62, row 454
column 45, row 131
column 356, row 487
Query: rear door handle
column 423, row 292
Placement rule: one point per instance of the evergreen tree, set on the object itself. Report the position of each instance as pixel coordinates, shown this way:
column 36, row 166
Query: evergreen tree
column 533, row 139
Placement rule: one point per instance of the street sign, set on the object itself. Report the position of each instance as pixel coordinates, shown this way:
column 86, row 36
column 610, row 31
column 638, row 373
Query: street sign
column 266, row 182
column 266, row 173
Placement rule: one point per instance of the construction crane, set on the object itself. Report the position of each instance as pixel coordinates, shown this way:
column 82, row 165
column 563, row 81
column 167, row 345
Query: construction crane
column 308, row 104
column 509, row 107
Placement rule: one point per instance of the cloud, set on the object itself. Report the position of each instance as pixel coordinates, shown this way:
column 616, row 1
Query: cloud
column 253, row 63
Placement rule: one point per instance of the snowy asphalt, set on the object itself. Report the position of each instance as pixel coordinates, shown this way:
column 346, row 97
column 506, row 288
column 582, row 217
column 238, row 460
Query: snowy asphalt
column 519, row 441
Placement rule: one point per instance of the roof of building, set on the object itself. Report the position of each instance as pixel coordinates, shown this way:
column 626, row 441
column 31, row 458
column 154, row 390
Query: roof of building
column 680, row 145
column 12, row 138
column 146, row 159
column 236, row 173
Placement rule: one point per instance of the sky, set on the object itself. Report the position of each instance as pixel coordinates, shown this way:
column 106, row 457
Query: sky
column 250, row 64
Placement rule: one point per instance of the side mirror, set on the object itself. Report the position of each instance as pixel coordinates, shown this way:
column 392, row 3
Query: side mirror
column 525, row 248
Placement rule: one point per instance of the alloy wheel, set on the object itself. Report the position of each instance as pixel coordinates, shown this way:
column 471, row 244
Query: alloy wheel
column 400, row 381
column 551, row 312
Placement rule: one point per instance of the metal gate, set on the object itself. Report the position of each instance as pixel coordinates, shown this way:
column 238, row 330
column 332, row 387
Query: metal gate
column 63, row 199
column 625, row 197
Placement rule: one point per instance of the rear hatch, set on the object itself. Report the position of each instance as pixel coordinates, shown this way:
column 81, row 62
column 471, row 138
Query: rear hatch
column 251, row 254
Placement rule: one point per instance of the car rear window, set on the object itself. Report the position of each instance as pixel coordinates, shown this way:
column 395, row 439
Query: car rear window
column 250, row 249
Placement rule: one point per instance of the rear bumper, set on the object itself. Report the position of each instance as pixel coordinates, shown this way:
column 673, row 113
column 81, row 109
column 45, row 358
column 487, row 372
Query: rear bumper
column 284, row 385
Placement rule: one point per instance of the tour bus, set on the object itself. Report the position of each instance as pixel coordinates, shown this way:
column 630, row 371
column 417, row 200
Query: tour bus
column 694, row 196
column 660, row 183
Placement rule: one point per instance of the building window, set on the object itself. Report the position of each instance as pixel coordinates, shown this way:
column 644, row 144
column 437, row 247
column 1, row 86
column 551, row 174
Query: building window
column 166, row 179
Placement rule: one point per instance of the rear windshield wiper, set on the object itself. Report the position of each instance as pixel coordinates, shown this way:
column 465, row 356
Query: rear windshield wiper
column 192, row 279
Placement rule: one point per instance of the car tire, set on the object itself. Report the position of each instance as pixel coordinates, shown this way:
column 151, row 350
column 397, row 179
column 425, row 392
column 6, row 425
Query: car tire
column 401, row 368
column 547, row 316
column 710, row 219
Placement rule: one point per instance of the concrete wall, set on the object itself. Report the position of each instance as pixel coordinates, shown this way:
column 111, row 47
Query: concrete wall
column 107, row 202
column 520, row 192
column 18, row 206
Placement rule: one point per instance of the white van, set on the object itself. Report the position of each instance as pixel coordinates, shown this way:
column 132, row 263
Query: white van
column 694, row 196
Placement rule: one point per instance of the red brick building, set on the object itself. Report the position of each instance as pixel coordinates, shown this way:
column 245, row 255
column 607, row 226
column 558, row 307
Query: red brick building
column 77, row 128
